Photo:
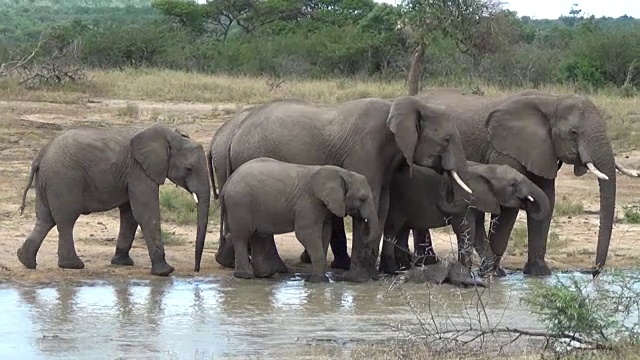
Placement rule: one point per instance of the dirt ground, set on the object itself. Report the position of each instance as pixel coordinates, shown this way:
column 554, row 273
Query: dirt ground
column 26, row 126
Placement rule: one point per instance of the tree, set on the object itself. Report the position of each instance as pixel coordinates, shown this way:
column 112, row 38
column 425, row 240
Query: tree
column 423, row 19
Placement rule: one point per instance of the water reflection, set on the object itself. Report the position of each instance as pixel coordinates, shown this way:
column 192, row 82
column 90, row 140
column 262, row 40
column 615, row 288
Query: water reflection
column 228, row 317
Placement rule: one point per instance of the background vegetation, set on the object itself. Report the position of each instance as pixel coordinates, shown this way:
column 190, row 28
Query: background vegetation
column 464, row 42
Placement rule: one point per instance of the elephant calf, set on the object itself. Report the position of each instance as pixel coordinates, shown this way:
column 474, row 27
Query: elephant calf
column 416, row 203
column 87, row 170
column 268, row 197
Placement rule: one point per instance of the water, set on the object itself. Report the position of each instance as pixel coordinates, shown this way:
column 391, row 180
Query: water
column 219, row 318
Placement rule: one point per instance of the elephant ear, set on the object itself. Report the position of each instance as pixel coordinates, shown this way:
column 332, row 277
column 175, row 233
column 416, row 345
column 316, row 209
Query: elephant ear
column 329, row 186
column 521, row 130
column 403, row 121
column 483, row 197
column 150, row 148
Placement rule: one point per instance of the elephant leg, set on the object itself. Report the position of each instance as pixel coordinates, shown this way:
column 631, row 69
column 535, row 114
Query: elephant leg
column 145, row 207
column 499, row 236
column 225, row 255
column 538, row 232
column 264, row 256
column 482, row 245
column 241, row 240
column 402, row 254
column 425, row 253
column 388, row 263
column 126, row 234
column 341, row 259
column 464, row 228
column 67, row 256
column 44, row 223
column 311, row 236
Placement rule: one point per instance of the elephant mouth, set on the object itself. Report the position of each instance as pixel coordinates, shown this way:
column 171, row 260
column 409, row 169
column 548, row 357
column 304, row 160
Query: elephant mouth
column 529, row 204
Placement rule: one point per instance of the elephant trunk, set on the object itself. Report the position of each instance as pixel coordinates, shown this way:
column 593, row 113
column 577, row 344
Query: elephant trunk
column 203, row 220
column 539, row 208
column 599, row 153
column 455, row 164
column 370, row 216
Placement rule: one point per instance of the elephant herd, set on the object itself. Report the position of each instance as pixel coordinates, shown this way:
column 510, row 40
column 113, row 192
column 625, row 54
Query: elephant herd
column 442, row 157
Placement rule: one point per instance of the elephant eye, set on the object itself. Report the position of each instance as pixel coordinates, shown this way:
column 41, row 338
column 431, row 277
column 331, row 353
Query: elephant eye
column 574, row 132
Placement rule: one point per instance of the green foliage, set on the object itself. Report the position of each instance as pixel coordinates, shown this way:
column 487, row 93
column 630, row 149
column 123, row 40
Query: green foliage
column 177, row 206
column 632, row 214
column 327, row 38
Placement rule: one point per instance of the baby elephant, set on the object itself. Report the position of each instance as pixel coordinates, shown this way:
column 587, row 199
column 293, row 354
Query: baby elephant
column 417, row 203
column 269, row 197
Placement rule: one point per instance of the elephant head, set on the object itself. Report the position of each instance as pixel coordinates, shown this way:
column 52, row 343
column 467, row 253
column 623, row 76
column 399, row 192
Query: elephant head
column 346, row 193
column 428, row 137
column 165, row 153
column 502, row 185
column 544, row 131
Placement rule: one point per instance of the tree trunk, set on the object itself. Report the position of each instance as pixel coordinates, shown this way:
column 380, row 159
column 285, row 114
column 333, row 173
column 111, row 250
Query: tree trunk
column 415, row 71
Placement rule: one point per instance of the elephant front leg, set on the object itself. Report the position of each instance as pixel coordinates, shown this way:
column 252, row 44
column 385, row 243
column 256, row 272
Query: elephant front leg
column 464, row 228
column 341, row 259
column 538, row 232
column 225, row 255
column 424, row 247
column 126, row 234
column 499, row 232
column 145, row 207
column 311, row 237
column 402, row 254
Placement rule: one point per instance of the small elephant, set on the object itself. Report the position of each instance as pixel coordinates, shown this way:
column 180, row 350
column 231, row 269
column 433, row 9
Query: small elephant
column 453, row 273
column 268, row 197
column 419, row 202
column 87, row 170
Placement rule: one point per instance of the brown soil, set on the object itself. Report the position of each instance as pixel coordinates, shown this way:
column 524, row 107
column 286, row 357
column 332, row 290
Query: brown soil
column 26, row 126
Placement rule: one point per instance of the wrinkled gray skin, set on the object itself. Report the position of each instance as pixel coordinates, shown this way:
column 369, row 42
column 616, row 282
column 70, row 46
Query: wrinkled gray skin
column 535, row 132
column 87, row 170
column 453, row 273
column 369, row 136
column 268, row 197
column 418, row 204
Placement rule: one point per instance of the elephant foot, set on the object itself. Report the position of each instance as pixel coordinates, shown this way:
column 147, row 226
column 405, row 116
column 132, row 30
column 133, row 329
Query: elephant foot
column 268, row 272
column 226, row 256
column 121, row 259
column 319, row 278
column 358, row 275
column 388, row 265
column 536, row 268
column 341, row 263
column 241, row 274
column 264, row 268
column 161, row 269
column 29, row 261
column 71, row 263
column 305, row 258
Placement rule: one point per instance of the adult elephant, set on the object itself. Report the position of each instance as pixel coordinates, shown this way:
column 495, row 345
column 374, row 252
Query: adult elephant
column 369, row 136
column 535, row 132
column 87, row 170
column 417, row 204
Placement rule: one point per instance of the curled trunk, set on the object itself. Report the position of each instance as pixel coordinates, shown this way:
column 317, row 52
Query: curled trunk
column 539, row 208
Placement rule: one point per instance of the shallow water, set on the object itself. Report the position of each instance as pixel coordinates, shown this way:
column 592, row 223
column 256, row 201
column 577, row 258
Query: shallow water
column 219, row 318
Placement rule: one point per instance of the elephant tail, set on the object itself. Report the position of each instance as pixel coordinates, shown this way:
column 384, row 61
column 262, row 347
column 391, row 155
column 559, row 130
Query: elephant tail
column 35, row 165
column 211, row 175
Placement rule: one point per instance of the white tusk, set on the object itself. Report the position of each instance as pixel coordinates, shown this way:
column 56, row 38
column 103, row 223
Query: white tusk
column 464, row 186
column 530, row 198
column 195, row 197
column 628, row 172
column 366, row 221
column 596, row 172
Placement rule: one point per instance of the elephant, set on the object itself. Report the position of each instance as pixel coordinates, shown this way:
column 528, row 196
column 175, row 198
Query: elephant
column 441, row 272
column 88, row 170
column 535, row 133
column 268, row 196
column 416, row 203
column 370, row 136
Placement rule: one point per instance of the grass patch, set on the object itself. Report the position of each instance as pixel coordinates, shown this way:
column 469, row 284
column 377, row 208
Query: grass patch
column 171, row 239
column 568, row 207
column 518, row 241
column 131, row 111
column 632, row 214
column 177, row 206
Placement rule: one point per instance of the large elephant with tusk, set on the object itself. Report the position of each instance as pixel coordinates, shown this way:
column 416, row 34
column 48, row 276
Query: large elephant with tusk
column 536, row 132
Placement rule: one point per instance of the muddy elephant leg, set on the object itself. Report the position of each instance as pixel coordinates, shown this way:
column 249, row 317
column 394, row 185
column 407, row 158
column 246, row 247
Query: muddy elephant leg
column 44, row 223
column 425, row 254
column 341, row 259
column 501, row 226
column 126, row 234
column 538, row 232
column 225, row 255
column 402, row 254
column 264, row 256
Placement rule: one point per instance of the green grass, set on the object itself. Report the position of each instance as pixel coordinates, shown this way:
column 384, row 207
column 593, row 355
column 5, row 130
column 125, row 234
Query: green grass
column 567, row 207
column 177, row 206
column 632, row 214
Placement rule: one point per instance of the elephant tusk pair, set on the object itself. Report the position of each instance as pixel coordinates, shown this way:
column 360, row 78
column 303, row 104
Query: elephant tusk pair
column 464, row 186
column 596, row 172
column 530, row 198
column 195, row 197
column 628, row 172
